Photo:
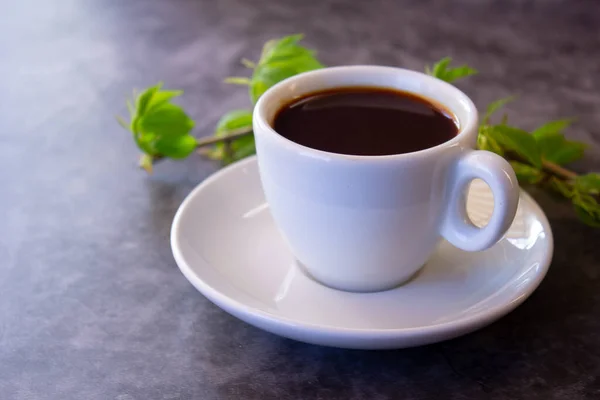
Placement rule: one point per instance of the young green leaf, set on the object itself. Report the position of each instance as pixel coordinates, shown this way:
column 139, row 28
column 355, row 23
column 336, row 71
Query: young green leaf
column 553, row 145
column 585, row 204
column 485, row 142
column 439, row 68
column 166, row 120
column 240, row 148
column 176, row 147
column 159, row 127
column 517, row 140
column 268, row 46
column 146, row 142
column 280, row 59
column 231, row 121
column 457, row 73
column 526, row 173
column 551, row 128
column 591, row 218
column 561, row 187
column 143, row 100
column 587, row 209
column 555, row 148
column 256, row 89
column 443, row 71
column 589, row 183
column 495, row 106
column 270, row 74
column 276, row 47
column 162, row 97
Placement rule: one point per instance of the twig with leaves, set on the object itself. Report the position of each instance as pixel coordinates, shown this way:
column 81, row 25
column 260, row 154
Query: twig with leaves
column 162, row 129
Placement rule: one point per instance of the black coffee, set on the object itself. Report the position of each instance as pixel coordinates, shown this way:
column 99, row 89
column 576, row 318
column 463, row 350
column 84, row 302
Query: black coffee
column 365, row 121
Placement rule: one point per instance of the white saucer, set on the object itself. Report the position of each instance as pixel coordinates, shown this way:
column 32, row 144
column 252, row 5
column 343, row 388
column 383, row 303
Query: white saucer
column 227, row 246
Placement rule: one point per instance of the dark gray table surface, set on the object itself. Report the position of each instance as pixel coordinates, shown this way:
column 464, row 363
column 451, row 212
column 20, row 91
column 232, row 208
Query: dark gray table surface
column 92, row 305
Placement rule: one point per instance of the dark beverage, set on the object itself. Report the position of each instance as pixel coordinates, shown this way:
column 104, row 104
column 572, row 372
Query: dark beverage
column 366, row 121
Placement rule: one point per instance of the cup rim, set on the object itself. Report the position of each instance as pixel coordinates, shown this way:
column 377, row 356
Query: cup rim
column 467, row 127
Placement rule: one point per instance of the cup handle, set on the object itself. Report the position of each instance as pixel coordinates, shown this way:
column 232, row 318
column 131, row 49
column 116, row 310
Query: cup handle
column 457, row 228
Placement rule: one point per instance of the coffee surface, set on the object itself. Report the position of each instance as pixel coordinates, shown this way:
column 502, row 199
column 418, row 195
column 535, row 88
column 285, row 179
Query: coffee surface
column 365, row 121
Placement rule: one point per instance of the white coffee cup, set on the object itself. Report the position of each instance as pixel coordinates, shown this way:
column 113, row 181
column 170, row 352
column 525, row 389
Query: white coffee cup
column 368, row 223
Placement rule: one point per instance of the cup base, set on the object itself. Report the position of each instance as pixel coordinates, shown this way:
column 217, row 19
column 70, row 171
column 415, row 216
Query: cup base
column 376, row 289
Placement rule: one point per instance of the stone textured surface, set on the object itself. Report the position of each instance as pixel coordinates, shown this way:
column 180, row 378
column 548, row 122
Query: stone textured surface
column 92, row 305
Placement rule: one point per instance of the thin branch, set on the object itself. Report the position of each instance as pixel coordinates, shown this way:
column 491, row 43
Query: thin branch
column 212, row 140
column 558, row 170
column 547, row 166
column 231, row 135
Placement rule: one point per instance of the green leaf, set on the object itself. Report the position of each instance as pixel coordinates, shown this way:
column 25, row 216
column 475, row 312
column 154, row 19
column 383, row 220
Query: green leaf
column 257, row 88
column 243, row 148
column 162, row 97
column 280, row 59
column 267, row 47
column 589, row 183
column 233, row 120
column 457, row 73
column 526, row 173
column 553, row 145
column 166, row 120
column 439, row 68
column 143, row 100
column 495, row 106
column 267, row 75
column 159, row 127
column 517, row 140
column 561, row 187
column 296, row 56
column 240, row 148
column 176, row 147
column 551, row 128
column 587, row 209
column 277, row 45
column 555, row 148
column 149, row 100
column 484, row 142
column 582, row 195
column 146, row 142
column 589, row 218
column 443, row 71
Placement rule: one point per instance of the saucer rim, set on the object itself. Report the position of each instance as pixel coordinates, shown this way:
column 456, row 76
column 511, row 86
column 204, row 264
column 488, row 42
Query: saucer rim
column 250, row 313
